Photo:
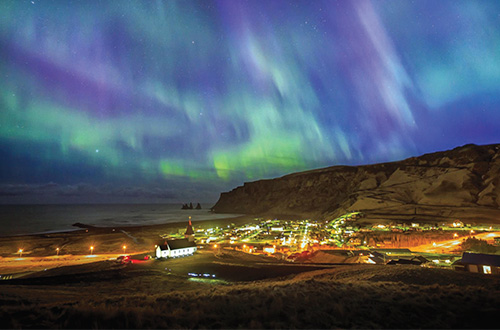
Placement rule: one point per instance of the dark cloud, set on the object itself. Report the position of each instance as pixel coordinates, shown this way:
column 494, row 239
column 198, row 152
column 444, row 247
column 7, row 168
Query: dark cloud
column 83, row 192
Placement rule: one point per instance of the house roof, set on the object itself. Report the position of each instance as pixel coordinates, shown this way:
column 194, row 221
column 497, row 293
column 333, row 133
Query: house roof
column 176, row 244
column 481, row 259
column 421, row 259
column 338, row 252
column 404, row 262
column 376, row 260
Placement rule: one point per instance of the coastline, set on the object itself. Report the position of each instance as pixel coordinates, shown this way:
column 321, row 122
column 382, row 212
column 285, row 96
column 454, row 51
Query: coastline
column 30, row 219
column 106, row 239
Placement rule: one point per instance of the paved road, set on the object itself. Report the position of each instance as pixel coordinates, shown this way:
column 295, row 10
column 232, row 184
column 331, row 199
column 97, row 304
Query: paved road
column 451, row 245
column 13, row 265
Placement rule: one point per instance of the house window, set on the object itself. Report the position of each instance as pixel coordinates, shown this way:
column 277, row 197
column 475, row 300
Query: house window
column 487, row 269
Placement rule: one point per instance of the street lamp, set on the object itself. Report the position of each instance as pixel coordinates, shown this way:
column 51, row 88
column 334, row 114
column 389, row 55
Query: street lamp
column 124, row 248
column 20, row 253
column 91, row 249
column 57, row 251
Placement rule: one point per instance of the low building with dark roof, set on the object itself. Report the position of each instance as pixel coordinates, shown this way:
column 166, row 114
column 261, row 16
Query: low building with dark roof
column 404, row 262
column 175, row 248
column 479, row 263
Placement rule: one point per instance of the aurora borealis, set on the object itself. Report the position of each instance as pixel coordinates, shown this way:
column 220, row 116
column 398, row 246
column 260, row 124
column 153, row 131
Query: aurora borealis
column 180, row 100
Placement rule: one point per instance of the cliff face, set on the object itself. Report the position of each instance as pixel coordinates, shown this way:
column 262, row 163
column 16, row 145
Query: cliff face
column 465, row 177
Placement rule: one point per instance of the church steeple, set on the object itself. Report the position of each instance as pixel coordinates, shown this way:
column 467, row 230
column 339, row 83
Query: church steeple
column 189, row 234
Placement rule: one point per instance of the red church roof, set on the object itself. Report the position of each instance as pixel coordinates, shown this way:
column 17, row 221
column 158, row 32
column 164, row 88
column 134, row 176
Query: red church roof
column 189, row 229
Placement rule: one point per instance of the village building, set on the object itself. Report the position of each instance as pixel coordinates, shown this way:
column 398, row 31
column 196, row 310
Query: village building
column 478, row 263
column 174, row 248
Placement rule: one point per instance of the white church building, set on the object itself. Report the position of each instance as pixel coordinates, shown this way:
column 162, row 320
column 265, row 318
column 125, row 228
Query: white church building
column 173, row 248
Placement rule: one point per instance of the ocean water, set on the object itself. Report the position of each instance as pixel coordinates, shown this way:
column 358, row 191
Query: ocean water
column 29, row 219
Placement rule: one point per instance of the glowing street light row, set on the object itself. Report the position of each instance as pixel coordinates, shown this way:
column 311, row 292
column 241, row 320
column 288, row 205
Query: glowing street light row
column 20, row 251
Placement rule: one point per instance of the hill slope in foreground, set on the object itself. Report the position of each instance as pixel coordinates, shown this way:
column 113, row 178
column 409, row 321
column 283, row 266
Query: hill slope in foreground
column 362, row 296
column 460, row 183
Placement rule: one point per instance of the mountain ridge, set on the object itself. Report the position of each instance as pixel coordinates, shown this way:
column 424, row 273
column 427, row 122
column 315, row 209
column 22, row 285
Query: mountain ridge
column 436, row 185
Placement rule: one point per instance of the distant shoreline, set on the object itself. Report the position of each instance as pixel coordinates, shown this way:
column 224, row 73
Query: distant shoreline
column 106, row 239
column 83, row 226
column 32, row 219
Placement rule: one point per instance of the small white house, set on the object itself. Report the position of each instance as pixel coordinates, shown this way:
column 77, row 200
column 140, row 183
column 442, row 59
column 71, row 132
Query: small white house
column 175, row 248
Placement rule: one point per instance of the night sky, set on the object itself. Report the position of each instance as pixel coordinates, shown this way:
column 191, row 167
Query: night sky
column 157, row 101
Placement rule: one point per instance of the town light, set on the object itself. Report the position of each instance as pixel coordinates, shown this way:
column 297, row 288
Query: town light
column 215, row 245
column 270, row 250
column 124, row 248
column 91, row 249
column 57, row 251
column 20, row 253
column 455, row 235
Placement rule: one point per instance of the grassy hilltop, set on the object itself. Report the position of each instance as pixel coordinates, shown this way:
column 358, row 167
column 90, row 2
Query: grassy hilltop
column 160, row 295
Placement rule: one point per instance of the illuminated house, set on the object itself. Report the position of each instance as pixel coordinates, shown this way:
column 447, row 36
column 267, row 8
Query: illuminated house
column 479, row 263
column 175, row 248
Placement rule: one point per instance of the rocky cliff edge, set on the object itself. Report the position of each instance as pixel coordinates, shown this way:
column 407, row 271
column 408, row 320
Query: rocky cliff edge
column 463, row 182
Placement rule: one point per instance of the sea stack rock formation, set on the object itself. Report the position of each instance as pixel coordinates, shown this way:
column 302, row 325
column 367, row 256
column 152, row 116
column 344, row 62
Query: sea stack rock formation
column 187, row 207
